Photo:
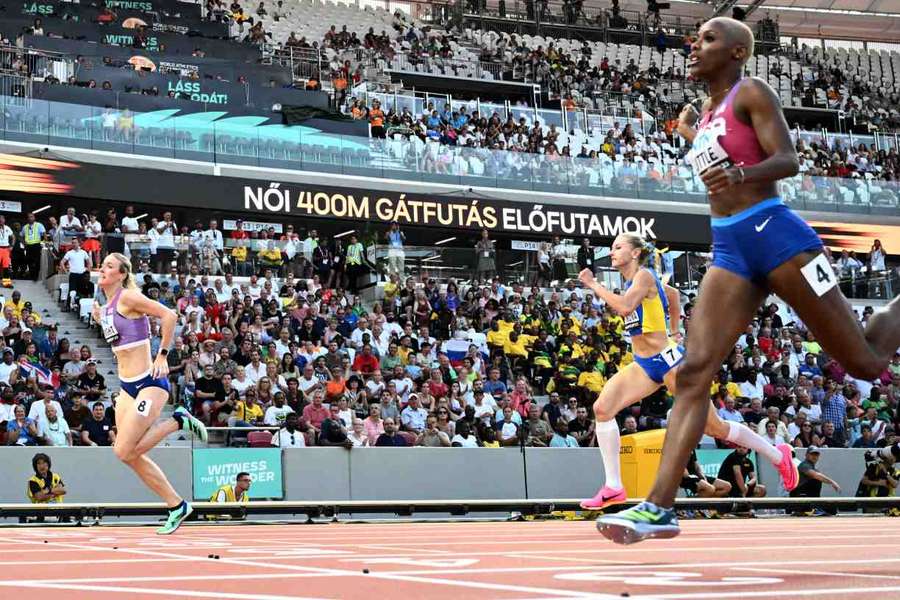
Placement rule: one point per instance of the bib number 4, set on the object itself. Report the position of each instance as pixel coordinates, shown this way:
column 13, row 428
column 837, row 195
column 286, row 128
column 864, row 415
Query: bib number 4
column 819, row 275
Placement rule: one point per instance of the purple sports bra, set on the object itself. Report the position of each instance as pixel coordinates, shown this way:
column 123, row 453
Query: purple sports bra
column 122, row 332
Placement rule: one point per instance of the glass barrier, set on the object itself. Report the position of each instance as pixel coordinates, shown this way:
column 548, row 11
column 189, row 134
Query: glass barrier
column 215, row 137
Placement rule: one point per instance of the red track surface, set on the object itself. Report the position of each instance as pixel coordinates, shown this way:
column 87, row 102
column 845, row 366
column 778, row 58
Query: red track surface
column 764, row 558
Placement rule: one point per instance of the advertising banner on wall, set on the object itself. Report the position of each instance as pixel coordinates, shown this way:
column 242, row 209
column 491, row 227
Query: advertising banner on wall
column 363, row 202
column 215, row 467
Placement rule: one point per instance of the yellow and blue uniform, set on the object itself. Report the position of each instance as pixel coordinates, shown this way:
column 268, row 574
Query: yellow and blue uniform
column 651, row 316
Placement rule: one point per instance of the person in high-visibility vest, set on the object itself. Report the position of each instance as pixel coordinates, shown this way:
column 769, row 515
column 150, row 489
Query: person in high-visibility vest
column 234, row 493
column 33, row 232
column 45, row 486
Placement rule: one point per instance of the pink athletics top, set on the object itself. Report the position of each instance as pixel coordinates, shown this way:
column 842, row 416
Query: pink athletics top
column 722, row 137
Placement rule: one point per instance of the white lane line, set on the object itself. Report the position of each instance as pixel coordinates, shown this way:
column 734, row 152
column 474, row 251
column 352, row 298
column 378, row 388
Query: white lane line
column 307, row 569
column 769, row 593
column 821, row 573
column 150, row 591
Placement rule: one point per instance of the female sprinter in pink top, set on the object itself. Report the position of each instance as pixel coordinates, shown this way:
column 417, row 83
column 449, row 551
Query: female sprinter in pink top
column 741, row 149
column 145, row 385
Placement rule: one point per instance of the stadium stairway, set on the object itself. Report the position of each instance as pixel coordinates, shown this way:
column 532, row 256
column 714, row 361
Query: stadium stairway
column 70, row 326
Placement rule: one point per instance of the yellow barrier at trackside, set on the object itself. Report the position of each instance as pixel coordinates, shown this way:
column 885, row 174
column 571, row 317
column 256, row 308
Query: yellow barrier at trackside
column 639, row 457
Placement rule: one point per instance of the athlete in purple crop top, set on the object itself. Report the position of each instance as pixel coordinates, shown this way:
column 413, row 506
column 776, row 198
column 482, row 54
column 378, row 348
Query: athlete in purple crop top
column 741, row 149
column 125, row 324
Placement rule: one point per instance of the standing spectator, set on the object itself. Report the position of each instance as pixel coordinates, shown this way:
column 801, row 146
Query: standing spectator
column 33, row 234
column 585, row 256
column 166, row 230
column 876, row 257
column 78, row 264
column 45, row 486
column 98, row 429
column 486, row 255
column 7, row 240
column 92, row 231
column 811, row 479
column 396, row 254
column 69, row 226
column 376, row 120
column 558, row 254
column 354, row 263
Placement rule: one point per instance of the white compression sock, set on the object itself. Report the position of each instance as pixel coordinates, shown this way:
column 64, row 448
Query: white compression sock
column 608, row 441
column 744, row 436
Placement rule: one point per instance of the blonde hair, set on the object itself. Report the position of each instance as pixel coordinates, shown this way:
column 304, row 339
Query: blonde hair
column 638, row 242
column 128, row 281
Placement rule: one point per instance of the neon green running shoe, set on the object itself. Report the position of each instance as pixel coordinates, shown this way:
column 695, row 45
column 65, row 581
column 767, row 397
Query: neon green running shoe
column 176, row 518
column 638, row 523
column 190, row 423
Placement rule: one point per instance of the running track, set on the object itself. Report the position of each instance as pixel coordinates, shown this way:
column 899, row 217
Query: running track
column 764, row 558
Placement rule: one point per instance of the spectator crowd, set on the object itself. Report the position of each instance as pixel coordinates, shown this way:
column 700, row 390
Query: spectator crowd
column 288, row 344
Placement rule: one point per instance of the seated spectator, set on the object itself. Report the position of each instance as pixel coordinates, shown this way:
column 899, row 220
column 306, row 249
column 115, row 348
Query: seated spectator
column 867, row 439
column 358, row 435
column 414, row 416
column 315, row 412
column 432, row 436
column 76, row 414
column 561, row 437
column 738, row 471
column 45, row 486
column 464, row 437
column 98, row 430
column 333, row 432
column 290, row 435
column 729, row 412
column 20, row 430
column 390, row 437
column 582, row 428
column 695, row 482
column 277, row 413
column 537, row 430
column 53, row 430
column 91, row 383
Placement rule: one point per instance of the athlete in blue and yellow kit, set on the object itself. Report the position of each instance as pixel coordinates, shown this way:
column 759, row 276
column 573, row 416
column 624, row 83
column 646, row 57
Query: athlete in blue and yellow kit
column 649, row 306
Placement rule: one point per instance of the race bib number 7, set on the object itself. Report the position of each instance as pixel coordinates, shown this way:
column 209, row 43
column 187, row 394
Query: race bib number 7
column 671, row 355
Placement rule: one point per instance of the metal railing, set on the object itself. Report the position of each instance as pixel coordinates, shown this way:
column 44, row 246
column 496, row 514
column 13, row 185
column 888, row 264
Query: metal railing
column 667, row 178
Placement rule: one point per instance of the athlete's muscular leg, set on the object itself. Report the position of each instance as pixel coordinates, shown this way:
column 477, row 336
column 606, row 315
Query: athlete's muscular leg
column 725, row 305
column 863, row 353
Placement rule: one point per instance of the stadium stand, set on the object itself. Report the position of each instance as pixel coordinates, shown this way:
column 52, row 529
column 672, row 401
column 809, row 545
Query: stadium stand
column 270, row 323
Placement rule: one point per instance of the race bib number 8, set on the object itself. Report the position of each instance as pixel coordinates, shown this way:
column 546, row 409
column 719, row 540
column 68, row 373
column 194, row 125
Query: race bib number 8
column 819, row 275
column 143, row 407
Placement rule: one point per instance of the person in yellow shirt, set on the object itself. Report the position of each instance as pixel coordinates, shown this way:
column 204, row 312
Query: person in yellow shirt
column 729, row 387
column 496, row 337
column 391, row 290
column 16, row 304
